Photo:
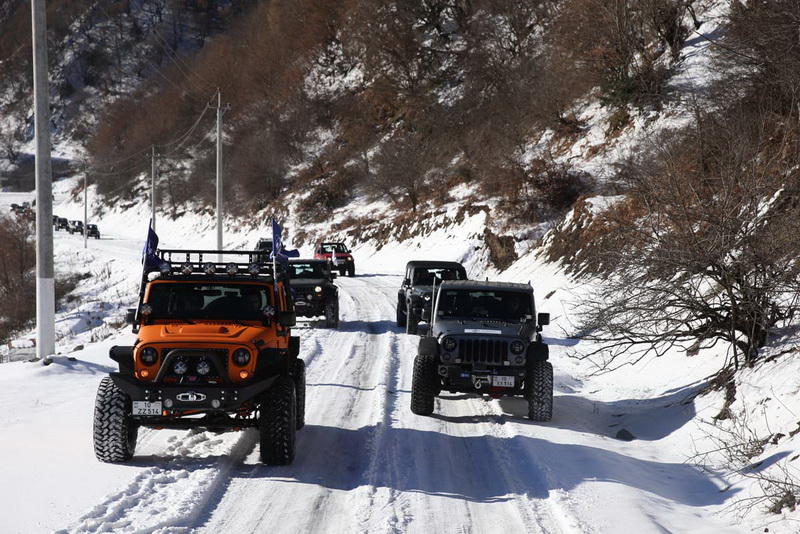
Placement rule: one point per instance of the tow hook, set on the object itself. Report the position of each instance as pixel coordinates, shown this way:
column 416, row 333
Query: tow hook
column 480, row 381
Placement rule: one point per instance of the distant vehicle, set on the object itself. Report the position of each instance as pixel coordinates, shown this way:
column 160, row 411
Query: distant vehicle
column 75, row 227
column 265, row 244
column 15, row 207
column 484, row 338
column 344, row 262
column 62, row 224
column 92, row 231
column 55, row 220
column 314, row 291
column 414, row 296
column 213, row 350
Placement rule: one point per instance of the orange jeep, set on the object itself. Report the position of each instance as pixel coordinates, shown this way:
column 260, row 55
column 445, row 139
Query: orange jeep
column 213, row 350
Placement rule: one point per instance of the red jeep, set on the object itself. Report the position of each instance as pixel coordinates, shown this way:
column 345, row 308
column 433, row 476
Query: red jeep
column 344, row 262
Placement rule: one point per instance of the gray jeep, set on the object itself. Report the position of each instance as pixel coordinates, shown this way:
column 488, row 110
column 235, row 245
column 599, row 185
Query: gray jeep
column 484, row 338
column 414, row 296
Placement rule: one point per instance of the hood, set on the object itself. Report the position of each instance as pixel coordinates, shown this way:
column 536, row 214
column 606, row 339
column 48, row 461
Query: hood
column 480, row 328
column 200, row 332
column 304, row 283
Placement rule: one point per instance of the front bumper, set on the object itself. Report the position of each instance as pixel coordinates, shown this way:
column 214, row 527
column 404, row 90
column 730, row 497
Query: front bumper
column 467, row 378
column 309, row 308
column 195, row 397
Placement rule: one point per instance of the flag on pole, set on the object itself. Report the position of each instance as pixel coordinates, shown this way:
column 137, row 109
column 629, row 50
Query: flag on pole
column 149, row 257
column 278, row 252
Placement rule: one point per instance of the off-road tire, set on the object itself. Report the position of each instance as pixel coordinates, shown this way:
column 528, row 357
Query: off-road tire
column 342, row 271
column 277, row 423
column 412, row 322
column 351, row 272
column 539, row 391
column 115, row 431
column 299, row 377
column 401, row 316
column 424, row 385
column 332, row 314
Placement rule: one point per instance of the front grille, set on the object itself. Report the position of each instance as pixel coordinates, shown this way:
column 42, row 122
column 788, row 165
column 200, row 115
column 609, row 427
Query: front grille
column 483, row 351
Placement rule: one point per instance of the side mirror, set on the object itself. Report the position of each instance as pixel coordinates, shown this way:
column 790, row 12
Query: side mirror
column 407, row 282
column 543, row 319
column 287, row 319
column 130, row 316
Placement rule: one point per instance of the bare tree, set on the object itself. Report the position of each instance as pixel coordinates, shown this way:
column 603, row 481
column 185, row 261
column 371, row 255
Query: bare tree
column 705, row 248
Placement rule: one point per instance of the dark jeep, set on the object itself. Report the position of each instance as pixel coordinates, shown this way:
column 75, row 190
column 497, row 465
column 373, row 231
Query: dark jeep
column 92, row 231
column 75, row 227
column 484, row 338
column 265, row 244
column 315, row 294
column 62, row 224
column 414, row 296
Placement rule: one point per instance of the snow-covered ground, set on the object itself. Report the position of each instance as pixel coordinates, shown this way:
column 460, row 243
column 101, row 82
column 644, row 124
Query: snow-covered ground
column 364, row 462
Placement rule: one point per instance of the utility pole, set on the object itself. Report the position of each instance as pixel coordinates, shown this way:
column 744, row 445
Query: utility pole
column 85, row 213
column 45, row 280
column 219, row 171
column 153, row 185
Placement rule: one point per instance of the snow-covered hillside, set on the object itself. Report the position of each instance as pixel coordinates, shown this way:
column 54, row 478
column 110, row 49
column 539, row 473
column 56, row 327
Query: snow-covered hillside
column 364, row 462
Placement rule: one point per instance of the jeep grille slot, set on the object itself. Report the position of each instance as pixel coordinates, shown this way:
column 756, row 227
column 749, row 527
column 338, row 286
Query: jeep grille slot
column 482, row 351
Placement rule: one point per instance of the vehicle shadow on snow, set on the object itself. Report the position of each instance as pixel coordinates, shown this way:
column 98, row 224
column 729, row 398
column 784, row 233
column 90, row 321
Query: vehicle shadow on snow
column 370, row 327
column 480, row 468
column 648, row 419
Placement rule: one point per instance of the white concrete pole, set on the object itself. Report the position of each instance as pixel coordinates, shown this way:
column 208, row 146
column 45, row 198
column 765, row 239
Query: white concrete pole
column 85, row 213
column 219, row 172
column 45, row 278
column 153, row 186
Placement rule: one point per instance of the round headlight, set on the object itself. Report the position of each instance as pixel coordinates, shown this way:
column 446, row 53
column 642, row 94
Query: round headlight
column 449, row 343
column 318, row 289
column 149, row 356
column 241, row 357
column 180, row 367
column 517, row 347
column 209, row 268
column 146, row 310
column 203, row 367
column 186, row 268
column 254, row 269
column 268, row 310
column 232, row 269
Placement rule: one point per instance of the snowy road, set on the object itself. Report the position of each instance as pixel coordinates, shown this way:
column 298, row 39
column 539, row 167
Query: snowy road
column 365, row 463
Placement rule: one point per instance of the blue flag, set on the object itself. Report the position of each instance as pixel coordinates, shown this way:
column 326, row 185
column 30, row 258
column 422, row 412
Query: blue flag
column 149, row 257
column 278, row 252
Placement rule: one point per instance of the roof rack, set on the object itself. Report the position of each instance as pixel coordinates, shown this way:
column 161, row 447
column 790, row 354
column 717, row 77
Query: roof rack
column 191, row 262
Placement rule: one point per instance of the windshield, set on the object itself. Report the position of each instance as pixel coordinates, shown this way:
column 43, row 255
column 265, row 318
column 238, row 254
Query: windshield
column 206, row 300
column 483, row 304
column 423, row 276
column 309, row 270
column 330, row 247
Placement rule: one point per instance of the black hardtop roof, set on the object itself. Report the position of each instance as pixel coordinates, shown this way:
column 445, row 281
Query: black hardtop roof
column 332, row 243
column 310, row 260
column 478, row 284
column 433, row 263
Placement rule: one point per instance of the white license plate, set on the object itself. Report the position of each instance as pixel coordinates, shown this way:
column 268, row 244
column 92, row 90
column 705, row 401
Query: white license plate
column 146, row 408
column 503, row 381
